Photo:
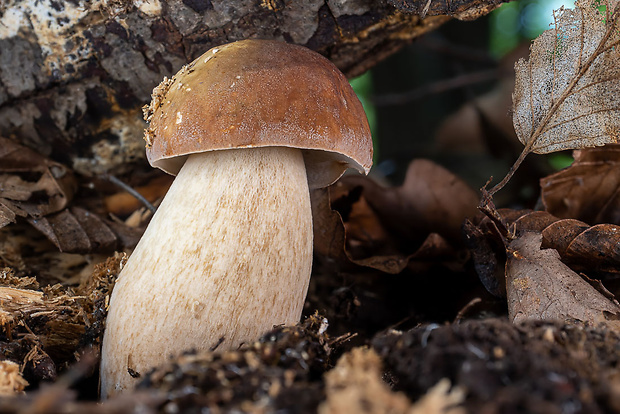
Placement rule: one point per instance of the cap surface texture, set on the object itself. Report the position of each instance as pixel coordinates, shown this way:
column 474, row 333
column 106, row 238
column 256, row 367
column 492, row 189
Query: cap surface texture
column 260, row 93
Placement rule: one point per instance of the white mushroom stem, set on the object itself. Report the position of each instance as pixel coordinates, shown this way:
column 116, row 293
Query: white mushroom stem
column 226, row 257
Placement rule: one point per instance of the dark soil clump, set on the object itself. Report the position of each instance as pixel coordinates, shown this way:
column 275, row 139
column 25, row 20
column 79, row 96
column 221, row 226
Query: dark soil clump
column 535, row 367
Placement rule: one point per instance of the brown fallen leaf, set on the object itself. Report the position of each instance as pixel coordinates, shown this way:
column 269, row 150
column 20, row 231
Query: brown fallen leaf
column 7, row 213
column 434, row 249
column 431, row 199
column 41, row 191
column 488, row 257
column 540, row 286
column 361, row 239
column 594, row 250
column 327, row 226
column 588, row 190
column 365, row 234
column 75, row 230
column 390, row 229
column 566, row 94
column 591, row 249
column 30, row 184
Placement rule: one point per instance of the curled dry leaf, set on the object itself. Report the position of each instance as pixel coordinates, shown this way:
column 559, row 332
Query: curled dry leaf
column 41, row 190
column 566, row 94
column 585, row 248
column 484, row 253
column 588, row 190
column 356, row 235
column 327, row 226
column 390, row 229
column 540, row 286
column 431, row 199
column 75, row 230
column 30, row 184
column 594, row 250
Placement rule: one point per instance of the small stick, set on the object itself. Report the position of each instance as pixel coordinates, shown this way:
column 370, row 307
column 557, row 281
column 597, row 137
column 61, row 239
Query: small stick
column 130, row 190
column 440, row 86
column 513, row 169
column 461, row 314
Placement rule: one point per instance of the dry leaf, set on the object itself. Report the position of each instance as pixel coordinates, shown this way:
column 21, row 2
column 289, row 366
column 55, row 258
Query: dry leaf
column 327, row 226
column 540, row 286
column 390, row 229
column 349, row 241
column 41, row 190
column 431, row 199
column 594, row 250
column 566, row 94
column 30, row 184
column 585, row 248
column 75, row 230
column 588, row 190
column 484, row 252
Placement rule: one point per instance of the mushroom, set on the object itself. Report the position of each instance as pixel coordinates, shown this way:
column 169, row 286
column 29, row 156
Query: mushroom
column 247, row 128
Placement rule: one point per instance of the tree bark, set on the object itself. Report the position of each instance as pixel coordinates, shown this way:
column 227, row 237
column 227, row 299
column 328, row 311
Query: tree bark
column 75, row 74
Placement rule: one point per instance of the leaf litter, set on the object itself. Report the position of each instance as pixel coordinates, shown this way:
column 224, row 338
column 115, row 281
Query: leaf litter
column 42, row 191
column 362, row 222
column 588, row 190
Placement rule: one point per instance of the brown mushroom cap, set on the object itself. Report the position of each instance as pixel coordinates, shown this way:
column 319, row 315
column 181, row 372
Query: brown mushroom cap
column 260, row 93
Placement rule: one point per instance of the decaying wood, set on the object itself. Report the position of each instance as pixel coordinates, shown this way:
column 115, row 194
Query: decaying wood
column 42, row 328
column 74, row 75
column 11, row 380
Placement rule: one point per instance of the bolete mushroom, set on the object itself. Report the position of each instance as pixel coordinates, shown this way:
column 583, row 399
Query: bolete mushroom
column 247, row 127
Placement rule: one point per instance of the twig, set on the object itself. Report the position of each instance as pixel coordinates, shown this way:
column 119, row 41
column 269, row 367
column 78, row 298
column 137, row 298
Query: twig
column 488, row 208
column 130, row 190
column 443, row 85
column 439, row 44
column 511, row 172
column 461, row 314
